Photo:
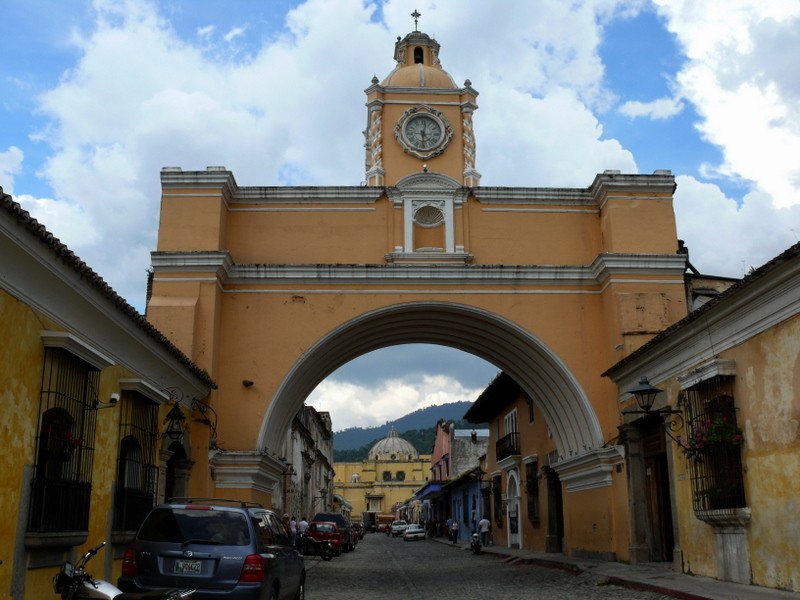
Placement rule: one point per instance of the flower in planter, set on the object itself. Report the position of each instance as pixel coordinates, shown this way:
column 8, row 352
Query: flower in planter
column 711, row 432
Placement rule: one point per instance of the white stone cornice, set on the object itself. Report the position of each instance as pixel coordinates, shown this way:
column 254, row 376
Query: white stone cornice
column 509, row 463
column 607, row 265
column 219, row 262
column 246, row 470
column 77, row 347
column 590, row 470
column 309, row 195
column 419, row 267
column 509, row 195
column 707, row 371
column 145, row 389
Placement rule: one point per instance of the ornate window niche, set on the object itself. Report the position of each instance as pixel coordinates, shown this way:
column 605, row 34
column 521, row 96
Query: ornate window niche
column 428, row 202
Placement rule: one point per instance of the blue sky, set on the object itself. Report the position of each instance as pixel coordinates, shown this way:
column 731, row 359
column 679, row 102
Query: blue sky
column 98, row 96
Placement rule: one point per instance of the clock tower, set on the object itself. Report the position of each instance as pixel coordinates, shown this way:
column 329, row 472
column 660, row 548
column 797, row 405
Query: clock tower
column 418, row 119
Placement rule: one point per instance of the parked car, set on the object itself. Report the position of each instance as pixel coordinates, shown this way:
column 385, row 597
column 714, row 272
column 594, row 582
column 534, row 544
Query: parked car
column 398, row 527
column 346, row 531
column 414, row 532
column 326, row 531
column 221, row 548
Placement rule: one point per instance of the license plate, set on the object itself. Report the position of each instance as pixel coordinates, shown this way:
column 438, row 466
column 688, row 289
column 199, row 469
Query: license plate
column 187, row 566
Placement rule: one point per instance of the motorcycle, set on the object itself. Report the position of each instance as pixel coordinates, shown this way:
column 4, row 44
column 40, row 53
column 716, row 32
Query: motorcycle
column 321, row 548
column 475, row 544
column 73, row 583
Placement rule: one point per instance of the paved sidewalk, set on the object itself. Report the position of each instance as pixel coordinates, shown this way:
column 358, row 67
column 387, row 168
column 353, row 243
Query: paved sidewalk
column 653, row 577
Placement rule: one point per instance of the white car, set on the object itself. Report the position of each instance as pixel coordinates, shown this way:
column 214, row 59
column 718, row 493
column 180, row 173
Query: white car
column 414, row 532
column 398, row 527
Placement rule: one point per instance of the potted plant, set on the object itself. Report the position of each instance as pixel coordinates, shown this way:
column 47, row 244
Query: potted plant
column 710, row 433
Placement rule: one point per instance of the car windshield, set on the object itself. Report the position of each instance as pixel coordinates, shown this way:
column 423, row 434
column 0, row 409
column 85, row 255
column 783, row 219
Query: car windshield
column 182, row 526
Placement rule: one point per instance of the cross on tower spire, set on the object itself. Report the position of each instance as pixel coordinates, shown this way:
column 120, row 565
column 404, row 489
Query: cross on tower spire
column 416, row 16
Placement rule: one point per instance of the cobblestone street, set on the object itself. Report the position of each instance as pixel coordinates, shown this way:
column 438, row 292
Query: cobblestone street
column 383, row 567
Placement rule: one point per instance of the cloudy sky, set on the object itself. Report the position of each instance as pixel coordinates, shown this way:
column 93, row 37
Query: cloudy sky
column 98, row 96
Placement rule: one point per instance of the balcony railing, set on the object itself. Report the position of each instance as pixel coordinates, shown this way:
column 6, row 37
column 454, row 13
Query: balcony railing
column 507, row 445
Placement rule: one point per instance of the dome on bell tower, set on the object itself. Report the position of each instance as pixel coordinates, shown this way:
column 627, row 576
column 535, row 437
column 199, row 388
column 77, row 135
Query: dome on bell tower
column 417, row 57
column 393, row 447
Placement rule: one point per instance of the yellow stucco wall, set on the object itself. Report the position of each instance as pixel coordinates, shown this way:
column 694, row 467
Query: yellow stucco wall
column 767, row 377
column 22, row 363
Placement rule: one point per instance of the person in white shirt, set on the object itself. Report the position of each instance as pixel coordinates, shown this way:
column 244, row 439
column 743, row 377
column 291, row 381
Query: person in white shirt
column 484, row 526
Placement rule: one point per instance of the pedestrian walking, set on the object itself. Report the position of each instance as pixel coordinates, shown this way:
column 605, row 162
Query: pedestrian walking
column 454, row 530
column 293, row 530
column 449, row 525
column 484, row 526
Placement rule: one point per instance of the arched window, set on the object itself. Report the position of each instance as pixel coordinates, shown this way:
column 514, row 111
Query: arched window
column 418, row 56
column 134, row 493
column 387, row 475
column 401, row 476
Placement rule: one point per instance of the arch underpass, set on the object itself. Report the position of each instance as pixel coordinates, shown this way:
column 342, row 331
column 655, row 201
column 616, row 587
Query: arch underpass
column 569, row 414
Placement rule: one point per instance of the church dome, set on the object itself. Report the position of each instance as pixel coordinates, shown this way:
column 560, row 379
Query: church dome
column 393, row 447
column 420, row 76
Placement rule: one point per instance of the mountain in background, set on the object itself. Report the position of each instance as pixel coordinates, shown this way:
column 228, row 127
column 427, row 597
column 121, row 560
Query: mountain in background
column 418, row 428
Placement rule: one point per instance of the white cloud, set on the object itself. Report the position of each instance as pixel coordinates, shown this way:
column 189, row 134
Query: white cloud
column 76, row 227
column 662, row 108
column 727, row 238
column 352, row 405
column 742, row 78
column 10, row 165
column 205, row 32
column 235, row 33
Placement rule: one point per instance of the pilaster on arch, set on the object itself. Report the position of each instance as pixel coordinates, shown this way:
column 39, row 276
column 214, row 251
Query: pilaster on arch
column 537, row 369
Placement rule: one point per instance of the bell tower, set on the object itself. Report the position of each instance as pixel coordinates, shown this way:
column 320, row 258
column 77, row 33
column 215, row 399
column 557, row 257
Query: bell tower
column 418, row 119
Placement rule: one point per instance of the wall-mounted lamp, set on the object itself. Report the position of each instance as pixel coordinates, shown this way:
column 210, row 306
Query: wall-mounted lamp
column 175, row 419
column 247, row 383
column 645, row 395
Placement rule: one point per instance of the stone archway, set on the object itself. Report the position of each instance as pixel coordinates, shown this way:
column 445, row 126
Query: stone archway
column 570, row 415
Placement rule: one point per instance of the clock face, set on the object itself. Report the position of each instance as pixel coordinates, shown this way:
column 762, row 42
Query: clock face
column 423, row 132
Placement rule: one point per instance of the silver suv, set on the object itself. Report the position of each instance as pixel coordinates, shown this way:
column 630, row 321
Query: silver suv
column 224, row 549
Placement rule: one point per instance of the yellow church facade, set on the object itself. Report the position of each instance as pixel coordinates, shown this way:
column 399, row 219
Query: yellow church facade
column 280, row 286
column 385, row 480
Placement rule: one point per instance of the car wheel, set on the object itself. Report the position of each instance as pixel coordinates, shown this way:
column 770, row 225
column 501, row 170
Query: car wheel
column 301, row 591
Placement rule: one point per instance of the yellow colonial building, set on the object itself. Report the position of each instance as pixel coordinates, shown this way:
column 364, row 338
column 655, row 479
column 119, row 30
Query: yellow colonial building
column 385, row 480
column 98, row 408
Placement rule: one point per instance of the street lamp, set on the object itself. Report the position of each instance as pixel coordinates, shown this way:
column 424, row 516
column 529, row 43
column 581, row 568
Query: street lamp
column 645, row 394
column 175, row 419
